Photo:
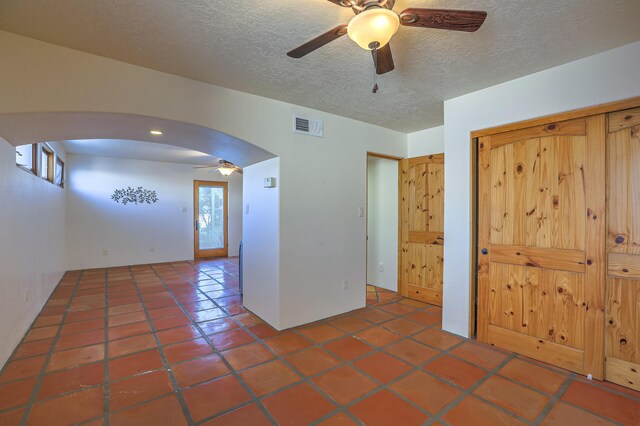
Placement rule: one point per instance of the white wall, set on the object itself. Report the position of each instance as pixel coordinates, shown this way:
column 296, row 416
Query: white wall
column 382, row 222
column 606, row 77
column 32, row 247
column 425, row 142
column 129, row 232
column 323, row 181
column 261, row 241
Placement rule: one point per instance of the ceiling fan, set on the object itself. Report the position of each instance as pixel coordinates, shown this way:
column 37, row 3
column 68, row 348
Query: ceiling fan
column 224, row 167
column 375, row 23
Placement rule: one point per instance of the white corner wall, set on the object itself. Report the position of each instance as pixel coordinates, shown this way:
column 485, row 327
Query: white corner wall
column 261, row 241
column 322, row 237
column 425, row 142
column 382, row 222
column 136, row 234
column 32, row 235
column 606, row 77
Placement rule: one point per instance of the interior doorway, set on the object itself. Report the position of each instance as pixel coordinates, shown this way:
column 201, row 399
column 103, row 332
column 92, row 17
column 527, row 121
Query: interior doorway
column 382, row 222
column 211, row 207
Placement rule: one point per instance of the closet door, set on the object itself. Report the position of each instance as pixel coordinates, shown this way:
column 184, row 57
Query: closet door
column 541, row 242
column 421, row 230
column 623, row 243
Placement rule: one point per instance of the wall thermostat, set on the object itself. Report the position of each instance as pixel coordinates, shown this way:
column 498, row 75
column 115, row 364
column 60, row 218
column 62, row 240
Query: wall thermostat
column 270, row 182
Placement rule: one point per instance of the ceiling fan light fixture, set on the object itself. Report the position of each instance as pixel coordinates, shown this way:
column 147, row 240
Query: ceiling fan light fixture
column 225, row 171
column 374, row 25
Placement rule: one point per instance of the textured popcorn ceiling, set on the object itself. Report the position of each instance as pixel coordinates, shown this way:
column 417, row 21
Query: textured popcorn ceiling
column 242, row 44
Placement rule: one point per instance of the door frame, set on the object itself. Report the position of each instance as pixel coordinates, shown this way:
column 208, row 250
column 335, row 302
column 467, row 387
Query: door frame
column 223, row 252
column 366, row 216
column 475, row 136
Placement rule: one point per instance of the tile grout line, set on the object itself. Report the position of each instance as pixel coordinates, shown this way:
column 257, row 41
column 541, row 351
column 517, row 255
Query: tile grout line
column 418, row 367
column 555, row 398
column 381, row 349
column 216, row 351
column 40, row 377
column 308, row 379
column 571, row 379
column 107, row 381
column 163, row 356
column 343, row 407
column 374, row 349
column 281, row 358
column 315, row 344
column 11, row 357
column 175, row 290
column 469, row 392
column 569, row 376
column 415, row 368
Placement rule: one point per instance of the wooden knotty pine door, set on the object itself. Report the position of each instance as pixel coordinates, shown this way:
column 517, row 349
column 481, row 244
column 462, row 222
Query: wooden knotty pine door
column 623, row 249
column 541, row 242
column 421, row 233
column 560, row 280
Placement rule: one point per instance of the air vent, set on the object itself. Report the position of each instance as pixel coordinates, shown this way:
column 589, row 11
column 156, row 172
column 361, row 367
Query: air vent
column 308, row 126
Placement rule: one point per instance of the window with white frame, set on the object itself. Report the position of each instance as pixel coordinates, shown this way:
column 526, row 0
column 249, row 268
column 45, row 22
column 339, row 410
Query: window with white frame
column 59, row 174
column 26, row 158
column 46, row 163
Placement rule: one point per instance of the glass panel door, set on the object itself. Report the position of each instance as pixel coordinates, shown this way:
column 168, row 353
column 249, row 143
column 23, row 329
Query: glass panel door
column 210, row 218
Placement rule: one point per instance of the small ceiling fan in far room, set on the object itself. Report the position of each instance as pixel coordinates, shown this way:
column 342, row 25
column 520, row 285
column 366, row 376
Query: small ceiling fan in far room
column 224, row 167
column 375, row 23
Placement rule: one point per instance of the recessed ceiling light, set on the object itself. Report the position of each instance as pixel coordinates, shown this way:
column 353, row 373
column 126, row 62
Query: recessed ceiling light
column 156, row 132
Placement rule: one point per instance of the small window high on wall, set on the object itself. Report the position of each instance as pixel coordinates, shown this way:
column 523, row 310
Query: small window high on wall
column 25, row 156
column 46, row 163
column 59, row 174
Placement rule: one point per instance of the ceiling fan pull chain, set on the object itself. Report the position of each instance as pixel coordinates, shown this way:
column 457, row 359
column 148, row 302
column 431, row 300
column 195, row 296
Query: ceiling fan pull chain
column 374, row 51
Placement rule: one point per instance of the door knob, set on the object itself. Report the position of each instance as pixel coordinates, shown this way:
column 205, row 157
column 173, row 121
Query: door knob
column 484, row 251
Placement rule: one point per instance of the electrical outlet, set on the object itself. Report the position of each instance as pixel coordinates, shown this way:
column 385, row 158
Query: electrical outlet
column 345, row 285
column 27, row 296
column 105, row 252
column 246, row 209
column 381, row 267
column 152, row 249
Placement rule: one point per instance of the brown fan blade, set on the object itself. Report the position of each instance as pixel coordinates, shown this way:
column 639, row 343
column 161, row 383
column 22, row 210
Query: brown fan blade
column 318, row 42
column 385, row 60
column 443, row 19
column 343, row 3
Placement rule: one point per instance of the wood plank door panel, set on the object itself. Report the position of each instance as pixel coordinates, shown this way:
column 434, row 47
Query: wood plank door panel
column 623, row 247
column 421, row 233
column 541, row 233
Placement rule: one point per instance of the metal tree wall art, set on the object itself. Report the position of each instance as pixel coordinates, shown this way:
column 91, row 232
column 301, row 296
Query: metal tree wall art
column 135, row 196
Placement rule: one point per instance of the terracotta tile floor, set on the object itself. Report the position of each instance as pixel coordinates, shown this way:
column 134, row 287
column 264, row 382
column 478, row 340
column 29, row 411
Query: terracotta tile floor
column 171, row 344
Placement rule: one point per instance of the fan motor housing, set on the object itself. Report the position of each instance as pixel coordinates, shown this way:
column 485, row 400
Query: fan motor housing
column 362, row 5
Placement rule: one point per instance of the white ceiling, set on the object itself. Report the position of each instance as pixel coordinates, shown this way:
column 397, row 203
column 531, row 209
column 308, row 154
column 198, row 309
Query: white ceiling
column 24, row 128
column 137, row 150
column 242, row 45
